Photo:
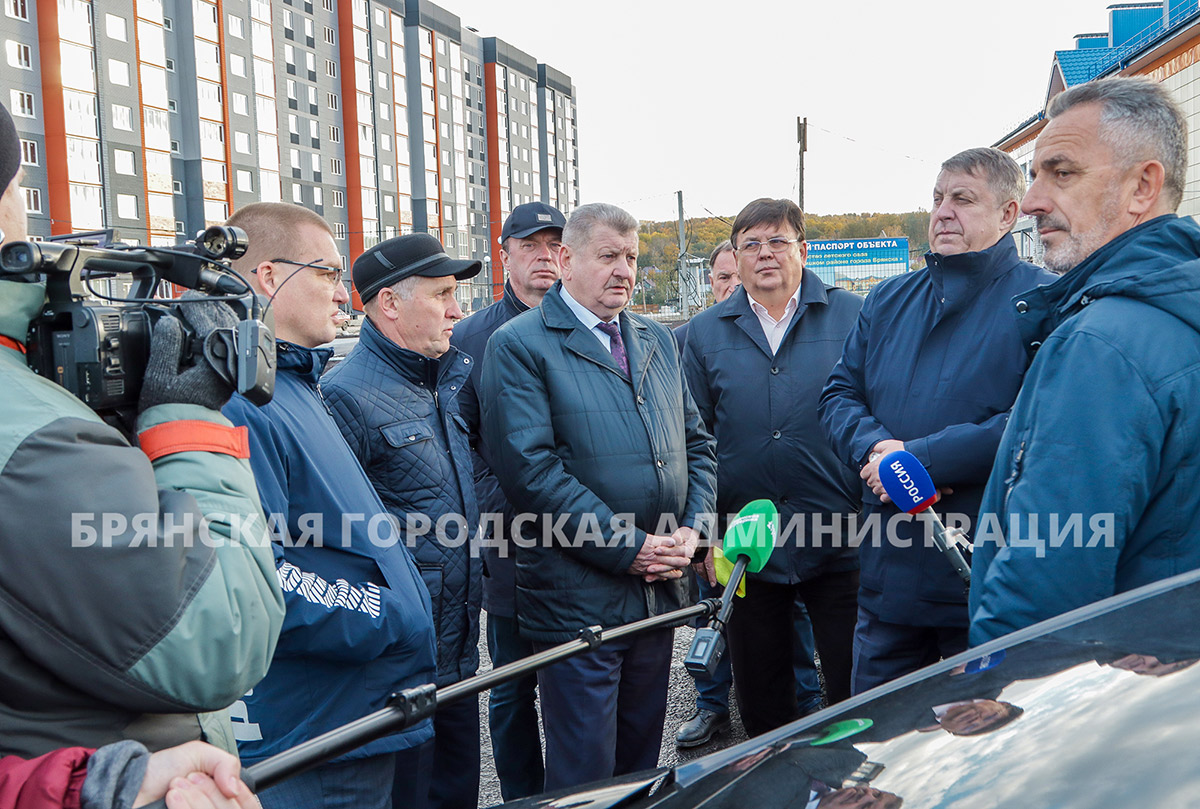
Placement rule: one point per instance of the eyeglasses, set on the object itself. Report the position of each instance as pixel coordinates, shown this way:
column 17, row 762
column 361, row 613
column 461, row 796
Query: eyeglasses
column 777, row 245
column 331, row 275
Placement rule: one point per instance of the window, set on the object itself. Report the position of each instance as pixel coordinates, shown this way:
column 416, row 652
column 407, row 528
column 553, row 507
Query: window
column 19, row 55
column 170, row 65
column 237, row 64
column 327, row 5
column 167, row 24
column 29, row 153
column 172, row 106
column 329, row 38
column 318, row 197
column 123, row 162
column 33, row 200
column 331, row 100
column 241, row 142
column 385, row 170
column 127, row 206
column 316, row 162
column 176, row 187
column 115, row 27
column 118, row 72
column 21, row 103
column 293, row 124
column 339, row 230
column 122, row 117
column 236, row 27
column 17, row 9
column 295, row 158
column 175, row 147
column 382, row 80
column 335, row 134
column 335, row 167
column 330, row 67
column 291, row 89
column 241, row 104
column 389, row 203
column 385, row 141
column 338, row 199
column 297, row 193
column 385, row 111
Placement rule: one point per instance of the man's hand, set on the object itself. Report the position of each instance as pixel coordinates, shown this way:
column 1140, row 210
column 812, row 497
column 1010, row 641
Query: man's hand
column 870, row 472
column 168, row 379
column 706, row 568
column 663, row 557
column 195, row 775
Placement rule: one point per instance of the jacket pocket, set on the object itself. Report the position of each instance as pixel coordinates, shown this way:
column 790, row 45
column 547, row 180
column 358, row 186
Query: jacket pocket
column 1016, row 465
column 400, row 434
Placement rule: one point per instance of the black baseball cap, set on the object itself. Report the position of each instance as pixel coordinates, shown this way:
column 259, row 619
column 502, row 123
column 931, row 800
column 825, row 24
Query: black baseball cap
column 526, row 220
column 10, row 149
column 393, row 260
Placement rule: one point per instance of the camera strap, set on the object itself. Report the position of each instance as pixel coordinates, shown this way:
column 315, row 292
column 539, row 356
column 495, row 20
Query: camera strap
column 194, row 436
column 9, row 342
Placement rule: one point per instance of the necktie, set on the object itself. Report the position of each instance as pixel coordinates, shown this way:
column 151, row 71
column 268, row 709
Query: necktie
column 616, row 344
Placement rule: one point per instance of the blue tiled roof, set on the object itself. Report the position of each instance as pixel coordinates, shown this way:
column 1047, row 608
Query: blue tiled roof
column 1084, row 64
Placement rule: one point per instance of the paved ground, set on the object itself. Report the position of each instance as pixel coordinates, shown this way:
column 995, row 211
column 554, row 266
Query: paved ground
column 681, row 700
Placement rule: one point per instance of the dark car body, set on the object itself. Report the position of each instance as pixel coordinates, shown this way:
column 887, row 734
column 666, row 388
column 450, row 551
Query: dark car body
column 1099, row 707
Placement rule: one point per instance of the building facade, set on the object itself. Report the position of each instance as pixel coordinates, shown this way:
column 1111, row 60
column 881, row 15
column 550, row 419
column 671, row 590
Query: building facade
column 160, row 117
column 1160, row 41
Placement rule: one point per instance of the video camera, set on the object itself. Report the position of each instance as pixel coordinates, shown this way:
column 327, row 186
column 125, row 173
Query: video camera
column 99, row 351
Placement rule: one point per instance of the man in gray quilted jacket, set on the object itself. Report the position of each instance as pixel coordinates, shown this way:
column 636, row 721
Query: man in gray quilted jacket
column 395, row 398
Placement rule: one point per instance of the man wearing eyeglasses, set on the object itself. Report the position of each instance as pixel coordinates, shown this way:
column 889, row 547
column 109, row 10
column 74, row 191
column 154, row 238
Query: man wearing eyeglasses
column 756, row 365
column 396, row 399
column 932, row 367
column 358, row 624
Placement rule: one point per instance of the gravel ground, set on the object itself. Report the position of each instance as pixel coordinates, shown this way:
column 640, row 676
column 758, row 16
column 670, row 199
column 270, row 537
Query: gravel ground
column 681, row 700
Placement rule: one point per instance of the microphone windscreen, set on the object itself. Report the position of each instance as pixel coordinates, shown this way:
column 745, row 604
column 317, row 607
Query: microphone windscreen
column 907, row 482
column 752, row 534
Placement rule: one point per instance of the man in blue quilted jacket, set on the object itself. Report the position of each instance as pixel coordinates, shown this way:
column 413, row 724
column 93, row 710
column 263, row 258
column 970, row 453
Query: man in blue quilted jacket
column 395, row 398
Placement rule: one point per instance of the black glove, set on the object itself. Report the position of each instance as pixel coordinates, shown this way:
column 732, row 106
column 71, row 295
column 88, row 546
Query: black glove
column 166, row 382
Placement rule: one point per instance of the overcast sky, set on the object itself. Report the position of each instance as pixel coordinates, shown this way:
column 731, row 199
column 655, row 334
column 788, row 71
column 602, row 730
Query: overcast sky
column 703, row 96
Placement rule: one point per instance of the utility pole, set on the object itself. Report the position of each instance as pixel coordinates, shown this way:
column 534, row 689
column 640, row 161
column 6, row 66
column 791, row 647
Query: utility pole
column 802, row 140
column 682, row 267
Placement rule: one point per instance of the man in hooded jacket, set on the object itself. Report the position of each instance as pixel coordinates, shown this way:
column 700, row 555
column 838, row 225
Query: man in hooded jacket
column 1095, row 489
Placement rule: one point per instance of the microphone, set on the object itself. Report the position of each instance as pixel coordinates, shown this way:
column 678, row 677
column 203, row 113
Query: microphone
column 748, row 542
column 911, row 488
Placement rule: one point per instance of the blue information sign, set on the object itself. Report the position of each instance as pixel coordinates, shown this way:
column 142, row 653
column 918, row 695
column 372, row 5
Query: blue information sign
column 857, row 264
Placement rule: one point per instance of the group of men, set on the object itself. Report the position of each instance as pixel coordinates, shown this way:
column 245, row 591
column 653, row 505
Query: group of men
column 593, row 447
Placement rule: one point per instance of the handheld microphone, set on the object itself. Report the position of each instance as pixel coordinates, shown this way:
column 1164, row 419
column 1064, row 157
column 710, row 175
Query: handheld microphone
column 749, row 540
column 911, row 488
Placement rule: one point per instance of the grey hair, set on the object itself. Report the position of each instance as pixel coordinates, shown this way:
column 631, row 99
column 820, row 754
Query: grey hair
column 586, row 218
column 1002, row 173
column 1139, row 121
column 402, row 289
column 725, row 246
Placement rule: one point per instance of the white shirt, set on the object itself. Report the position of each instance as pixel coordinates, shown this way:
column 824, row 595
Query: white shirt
column 775, row 329
column 588, row 318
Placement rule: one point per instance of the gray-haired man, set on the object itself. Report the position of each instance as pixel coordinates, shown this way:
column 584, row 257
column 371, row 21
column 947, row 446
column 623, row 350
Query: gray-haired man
column 589, row 420
column 1103, row 432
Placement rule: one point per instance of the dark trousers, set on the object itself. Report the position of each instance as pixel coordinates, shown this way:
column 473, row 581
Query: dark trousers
column 603, row 711
column 362, row 783
column 712, row 693
column 512, row 715
column 884, row 651
column 761, row 641
column 447, row 765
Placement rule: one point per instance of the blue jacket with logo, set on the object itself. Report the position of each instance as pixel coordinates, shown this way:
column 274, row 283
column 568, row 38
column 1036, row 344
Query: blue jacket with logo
column 358, row 624
column 398, row 411
column 1104, row 432
column 499, row 555
column 935, row 361
column 762, row 409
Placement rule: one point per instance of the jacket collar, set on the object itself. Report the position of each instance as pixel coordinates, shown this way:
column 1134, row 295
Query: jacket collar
column 512, row 304
column 639, row 349
column 414, row 367
column 1040, row 311
column 958, row 278
column 303, row 363
column 813, row 292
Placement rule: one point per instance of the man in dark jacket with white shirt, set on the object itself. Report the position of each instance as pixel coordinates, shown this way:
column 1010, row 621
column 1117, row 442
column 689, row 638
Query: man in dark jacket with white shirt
column 932, row 367
column 756, row 364
column 358, row 624
column 395, row 398
column 597, row 440
column 1111, row 392
column 529, row 246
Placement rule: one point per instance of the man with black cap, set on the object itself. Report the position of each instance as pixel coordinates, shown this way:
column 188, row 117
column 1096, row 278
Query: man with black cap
column 358, row 624
column 396, row 399
column 529, row 247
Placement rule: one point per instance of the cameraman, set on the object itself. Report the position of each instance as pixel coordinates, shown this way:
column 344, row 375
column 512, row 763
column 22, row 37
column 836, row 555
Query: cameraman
column 137, row 587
